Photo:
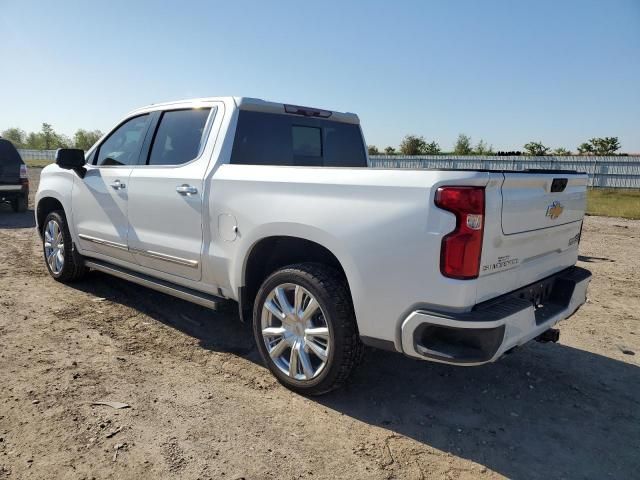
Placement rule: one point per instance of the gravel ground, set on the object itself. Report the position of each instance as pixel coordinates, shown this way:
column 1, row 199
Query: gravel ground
column 202, row 406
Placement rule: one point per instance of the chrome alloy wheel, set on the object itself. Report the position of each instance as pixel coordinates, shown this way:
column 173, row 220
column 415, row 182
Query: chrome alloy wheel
column 54, row 247
column 295, row 332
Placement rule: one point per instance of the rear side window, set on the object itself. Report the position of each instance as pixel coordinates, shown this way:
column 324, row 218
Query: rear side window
column 122, row 147
column 178, row 137
column 281, row 139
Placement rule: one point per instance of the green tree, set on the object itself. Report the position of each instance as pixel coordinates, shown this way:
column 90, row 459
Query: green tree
column 34, row 141
column 605, row 145
column 50, row 140
column 585, row 149
column 16, row 136
column 536, row 148
column 48, row 136
column 560, row 151
column 62, row 141
column 482, row 148
column 432, row 148
column 413, row 145
column 390, row 150
column 85, row 139
column 373, row 150
column 463, row 145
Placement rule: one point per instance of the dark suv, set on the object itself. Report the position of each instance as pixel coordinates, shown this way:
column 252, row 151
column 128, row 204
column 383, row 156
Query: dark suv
column 14, row 182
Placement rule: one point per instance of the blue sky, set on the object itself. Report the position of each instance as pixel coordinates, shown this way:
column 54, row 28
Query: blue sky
column 505, row 71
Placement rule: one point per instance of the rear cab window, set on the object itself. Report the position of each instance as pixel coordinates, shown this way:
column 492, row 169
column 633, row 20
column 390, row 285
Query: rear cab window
column 282, row 139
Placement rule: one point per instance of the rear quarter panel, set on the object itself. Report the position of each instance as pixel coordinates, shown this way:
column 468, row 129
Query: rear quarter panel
column 380, row 224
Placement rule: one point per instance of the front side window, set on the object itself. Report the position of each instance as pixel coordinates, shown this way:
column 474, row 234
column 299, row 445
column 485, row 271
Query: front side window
column 122, row 147
column 179, row 136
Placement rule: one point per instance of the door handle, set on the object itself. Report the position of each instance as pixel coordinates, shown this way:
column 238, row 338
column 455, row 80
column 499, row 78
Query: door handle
column 186, row 189
column 118, row 185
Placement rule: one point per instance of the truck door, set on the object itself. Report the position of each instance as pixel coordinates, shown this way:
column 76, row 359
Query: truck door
column 99, row 200
column 166, row 194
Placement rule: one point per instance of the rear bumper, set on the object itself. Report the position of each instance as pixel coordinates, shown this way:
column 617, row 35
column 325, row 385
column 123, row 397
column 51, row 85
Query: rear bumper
column 11, row 192
column 494, row 327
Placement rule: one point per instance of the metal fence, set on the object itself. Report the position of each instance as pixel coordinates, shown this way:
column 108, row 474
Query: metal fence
column 41, row 155
column 605, row 172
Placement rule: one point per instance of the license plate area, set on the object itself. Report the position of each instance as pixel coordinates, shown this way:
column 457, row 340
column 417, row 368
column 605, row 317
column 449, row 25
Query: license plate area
column 548, row 297
column 538, row 293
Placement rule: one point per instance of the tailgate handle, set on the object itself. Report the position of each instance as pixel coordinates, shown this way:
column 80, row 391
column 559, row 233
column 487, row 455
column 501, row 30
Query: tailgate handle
column 559, row 184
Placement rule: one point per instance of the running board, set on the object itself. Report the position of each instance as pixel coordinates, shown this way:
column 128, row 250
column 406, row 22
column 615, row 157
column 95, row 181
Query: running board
column 194, row 296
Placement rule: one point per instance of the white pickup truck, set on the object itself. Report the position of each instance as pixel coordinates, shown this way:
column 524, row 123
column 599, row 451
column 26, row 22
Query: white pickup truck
column 274, row 206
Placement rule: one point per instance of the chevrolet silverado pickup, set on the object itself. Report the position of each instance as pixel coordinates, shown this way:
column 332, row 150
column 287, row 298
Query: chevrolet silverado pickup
column 275, row 207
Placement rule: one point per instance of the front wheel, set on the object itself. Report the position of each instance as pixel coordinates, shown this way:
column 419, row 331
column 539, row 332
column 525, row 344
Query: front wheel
column 63, row 263
column 305, row 328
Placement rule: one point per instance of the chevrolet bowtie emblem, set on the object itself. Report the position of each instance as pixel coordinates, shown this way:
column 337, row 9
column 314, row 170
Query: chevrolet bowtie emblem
column 554, row 210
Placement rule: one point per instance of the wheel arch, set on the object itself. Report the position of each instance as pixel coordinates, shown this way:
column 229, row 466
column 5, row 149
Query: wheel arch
column 276, row 251
column 46, row 205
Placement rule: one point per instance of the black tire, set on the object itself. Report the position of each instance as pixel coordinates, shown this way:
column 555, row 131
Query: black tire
column 20, row 204
column 331, row 291
column 73, row 267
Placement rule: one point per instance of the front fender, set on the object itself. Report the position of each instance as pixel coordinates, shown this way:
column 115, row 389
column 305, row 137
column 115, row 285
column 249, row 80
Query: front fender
column 56, row 183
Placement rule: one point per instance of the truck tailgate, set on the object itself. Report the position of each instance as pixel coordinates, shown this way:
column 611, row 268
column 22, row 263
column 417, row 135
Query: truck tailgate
column 532, row 229
column 533, row 201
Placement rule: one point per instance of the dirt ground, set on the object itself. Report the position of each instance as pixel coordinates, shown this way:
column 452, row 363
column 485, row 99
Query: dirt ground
column 202, row 405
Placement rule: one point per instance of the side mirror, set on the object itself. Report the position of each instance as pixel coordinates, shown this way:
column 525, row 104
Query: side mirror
column 71, row 159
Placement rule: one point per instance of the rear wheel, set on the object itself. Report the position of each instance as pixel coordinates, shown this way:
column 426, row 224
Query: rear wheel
column 305, row 328
column 20, row 204
column 63, row 262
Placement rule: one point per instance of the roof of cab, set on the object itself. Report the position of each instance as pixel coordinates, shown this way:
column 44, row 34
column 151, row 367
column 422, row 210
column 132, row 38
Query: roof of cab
column 256, row 105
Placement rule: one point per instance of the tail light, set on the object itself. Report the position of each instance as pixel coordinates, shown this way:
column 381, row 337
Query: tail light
column 461, row 249
column 24, row 176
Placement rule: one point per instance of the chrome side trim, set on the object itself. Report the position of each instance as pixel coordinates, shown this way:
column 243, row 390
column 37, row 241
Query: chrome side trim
column 165, row 257
column 100, row 241
column 147, row 253
column 200, row 298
